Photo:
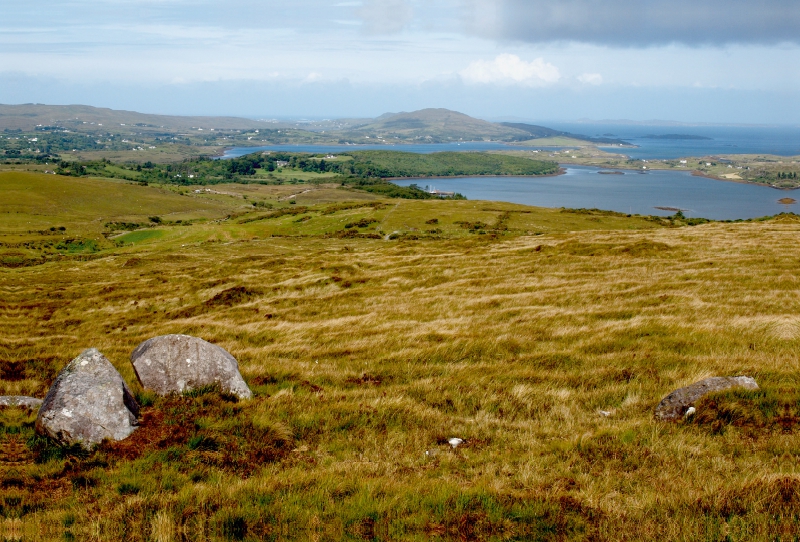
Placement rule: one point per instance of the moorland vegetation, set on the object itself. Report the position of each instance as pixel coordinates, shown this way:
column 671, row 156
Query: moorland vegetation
column 371, row 331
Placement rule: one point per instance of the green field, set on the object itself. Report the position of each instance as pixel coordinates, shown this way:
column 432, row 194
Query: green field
column 371, row 330
column 140, row 236
column 32, row 202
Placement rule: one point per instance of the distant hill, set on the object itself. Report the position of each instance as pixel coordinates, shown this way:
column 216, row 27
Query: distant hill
column 534, row 131
column 27, row 116
column 443, row 125
column 436, row 125
column 538, row 132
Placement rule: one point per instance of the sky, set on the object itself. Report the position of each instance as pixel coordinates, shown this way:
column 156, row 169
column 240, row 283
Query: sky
column 717, row 61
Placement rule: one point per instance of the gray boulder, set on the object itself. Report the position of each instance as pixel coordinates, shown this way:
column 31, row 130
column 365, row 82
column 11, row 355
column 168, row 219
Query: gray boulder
column 20, row 401
column 88, row 402
column 675, row 405
column 179, row 363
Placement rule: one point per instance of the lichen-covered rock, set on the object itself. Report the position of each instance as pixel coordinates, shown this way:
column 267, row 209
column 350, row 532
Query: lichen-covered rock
column 20, row 401
column 179, row 363
column 675, row 405
column 88, row 402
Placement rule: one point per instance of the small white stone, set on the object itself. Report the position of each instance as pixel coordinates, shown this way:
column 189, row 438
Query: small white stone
column 690, row 412
column 84, row 362
column 455, row 442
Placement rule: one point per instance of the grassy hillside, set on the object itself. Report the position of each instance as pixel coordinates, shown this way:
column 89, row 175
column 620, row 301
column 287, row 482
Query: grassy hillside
column 51, row 217
column 365, row 353
column 31, row 202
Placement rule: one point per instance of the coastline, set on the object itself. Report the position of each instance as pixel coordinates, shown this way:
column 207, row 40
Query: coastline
column 561, row 171
column 695, row 173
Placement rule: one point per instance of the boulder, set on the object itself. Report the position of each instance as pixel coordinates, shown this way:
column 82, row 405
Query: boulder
column 20, row 401
column 88, row 402
column 675, row 405
column 179, row 363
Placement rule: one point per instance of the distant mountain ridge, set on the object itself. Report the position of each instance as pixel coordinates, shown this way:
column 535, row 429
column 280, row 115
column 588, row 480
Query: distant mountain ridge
column 28, row 116
column 422, row 126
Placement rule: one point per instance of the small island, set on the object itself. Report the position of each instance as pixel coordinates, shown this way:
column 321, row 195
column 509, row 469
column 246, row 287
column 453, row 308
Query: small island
column 787, row 201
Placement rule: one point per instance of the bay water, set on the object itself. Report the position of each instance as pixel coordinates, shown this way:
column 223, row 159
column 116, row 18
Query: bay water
column 631, row 193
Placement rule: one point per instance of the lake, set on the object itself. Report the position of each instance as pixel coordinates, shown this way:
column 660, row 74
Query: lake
column 632, row 192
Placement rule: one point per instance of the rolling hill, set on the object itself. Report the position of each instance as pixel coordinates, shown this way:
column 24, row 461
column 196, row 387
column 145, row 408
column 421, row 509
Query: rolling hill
column 27, row 117
column 438, row 124
column 540, row 132
column 443, row 125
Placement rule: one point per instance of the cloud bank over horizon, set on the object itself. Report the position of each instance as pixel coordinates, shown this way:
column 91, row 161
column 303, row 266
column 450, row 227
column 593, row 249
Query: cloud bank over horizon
column 582, row 57
column 639, row 23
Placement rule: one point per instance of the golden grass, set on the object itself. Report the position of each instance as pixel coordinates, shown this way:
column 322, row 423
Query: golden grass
column 364, row 354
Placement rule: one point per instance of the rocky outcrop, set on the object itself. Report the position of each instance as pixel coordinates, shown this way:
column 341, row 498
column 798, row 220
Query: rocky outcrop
column 675, row 405
column 88, row 402
column 178, row 363
column 20, row 401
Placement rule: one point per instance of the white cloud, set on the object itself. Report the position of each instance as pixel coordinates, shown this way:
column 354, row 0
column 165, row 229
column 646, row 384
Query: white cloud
column 591, row 79
column 511, row 69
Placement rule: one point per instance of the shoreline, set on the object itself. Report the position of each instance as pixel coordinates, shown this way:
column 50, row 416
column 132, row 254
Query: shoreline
column 561, row 171
column 741, row 181
column 694, row 173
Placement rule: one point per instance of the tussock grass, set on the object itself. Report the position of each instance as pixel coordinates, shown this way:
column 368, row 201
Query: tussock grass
column 364, row 354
